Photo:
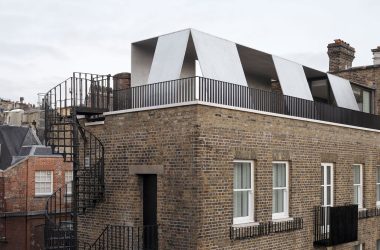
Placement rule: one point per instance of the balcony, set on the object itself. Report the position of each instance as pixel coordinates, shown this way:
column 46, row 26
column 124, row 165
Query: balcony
column 209, row 91
column 335, row 225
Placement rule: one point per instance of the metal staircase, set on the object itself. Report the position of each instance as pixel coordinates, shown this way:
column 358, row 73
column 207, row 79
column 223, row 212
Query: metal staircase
column 86, row 95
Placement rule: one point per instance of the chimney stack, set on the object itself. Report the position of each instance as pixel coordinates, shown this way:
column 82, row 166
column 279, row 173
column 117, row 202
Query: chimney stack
column 376, row 55
column 341, row 55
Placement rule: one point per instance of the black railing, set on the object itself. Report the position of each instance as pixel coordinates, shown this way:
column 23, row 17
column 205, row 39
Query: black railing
column 335, row 225
column 81, row 94
column 228, row 94
column 368, row 213
column 261, row 229
column 117, row 237
column 58, row 229
column 3, row 226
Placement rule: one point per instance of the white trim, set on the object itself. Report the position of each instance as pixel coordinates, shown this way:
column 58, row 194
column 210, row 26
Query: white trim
column 325, row 185
column 93, row 123
column 251, row 200
column 360, row 185
column 238, row 109
column 285, row 214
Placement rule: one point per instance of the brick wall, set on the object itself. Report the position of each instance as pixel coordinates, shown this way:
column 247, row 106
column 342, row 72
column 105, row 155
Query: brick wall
column 197, row 146
column 25, row 232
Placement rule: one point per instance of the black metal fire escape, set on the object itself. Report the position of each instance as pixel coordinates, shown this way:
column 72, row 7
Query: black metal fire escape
column 87, row 95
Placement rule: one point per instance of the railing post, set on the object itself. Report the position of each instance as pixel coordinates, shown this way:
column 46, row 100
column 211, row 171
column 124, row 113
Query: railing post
column 197, row 80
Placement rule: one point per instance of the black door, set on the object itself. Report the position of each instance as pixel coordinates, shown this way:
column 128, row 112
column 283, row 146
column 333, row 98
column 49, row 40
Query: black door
column 150, row 211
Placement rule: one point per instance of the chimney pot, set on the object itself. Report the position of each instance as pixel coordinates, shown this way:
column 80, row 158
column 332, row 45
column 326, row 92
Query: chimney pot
column 376, row 55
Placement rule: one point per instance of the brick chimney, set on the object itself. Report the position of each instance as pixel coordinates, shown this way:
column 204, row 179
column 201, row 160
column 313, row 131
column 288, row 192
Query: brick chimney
column 341, row 55
column 376, row 55
column 122, row 81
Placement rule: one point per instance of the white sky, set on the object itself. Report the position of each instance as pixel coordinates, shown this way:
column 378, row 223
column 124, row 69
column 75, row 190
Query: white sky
column 43, row 41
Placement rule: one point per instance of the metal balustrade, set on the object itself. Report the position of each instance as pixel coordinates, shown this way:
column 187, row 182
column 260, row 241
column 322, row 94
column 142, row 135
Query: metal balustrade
column 122, row 237
column 234, row 95
column 82, row 94
column 335, row 225
column 368, row 213
column 262, row 229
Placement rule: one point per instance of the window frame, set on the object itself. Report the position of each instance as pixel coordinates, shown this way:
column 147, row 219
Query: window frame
column 69, row 191
column 285, row 214
column 251, row 196
column 35, row 182
column 360, row 185
column 324, row 185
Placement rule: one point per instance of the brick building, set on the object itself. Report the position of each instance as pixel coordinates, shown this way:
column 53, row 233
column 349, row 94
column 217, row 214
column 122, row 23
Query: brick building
column 214, row 145
column 29, row 174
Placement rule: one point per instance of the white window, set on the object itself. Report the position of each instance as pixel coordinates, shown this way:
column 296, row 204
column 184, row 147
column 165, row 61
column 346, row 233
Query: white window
column 358, row 247
column 327, row 197
column 280, row 190
column 378, row 186
column 69, row 182
column 43, row 182
column 243, row 192
column 358, row 184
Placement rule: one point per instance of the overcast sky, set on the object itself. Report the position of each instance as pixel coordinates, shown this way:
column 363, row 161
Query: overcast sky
column 43, row 41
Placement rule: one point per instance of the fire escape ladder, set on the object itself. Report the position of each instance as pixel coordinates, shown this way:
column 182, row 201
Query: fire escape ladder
column 86, row 95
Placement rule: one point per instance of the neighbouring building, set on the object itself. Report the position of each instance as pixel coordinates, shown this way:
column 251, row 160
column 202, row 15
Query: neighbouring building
column 210, row 144
column 29, row 174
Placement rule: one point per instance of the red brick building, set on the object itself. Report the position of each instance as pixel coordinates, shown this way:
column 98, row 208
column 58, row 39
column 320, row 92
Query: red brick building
column 32, row 176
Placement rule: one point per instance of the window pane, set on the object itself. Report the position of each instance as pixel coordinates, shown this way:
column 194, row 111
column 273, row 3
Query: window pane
column 246, row 178
column 278, row 201
column 356, row 194
column 241, row 199
column 378, row 174
column 242, row 176
column 356, row 174
column 328, row 169
column 279, row 175
column 366, row 102
column 328, row 195
column 378, row 192
column 322, row 175
column 378, row 245
column 322, row 196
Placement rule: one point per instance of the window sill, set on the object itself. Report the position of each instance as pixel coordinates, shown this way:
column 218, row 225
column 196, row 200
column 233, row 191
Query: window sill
column 246, row 224
column 362, row 209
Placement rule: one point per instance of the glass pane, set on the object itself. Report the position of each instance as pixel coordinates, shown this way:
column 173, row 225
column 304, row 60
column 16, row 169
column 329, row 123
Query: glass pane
column 356, row 194
column 246, row 170
column 241, row 199
column 356, row 174
column 378, row 245
column 366, row 102
column 242, row 175
column 278, row 201
column 378, row 174
column 378, row 192
column 237, row 175
column 322, row 196
column 279, row 175
column 328, row 169
column 328, row 195
column 322, row 175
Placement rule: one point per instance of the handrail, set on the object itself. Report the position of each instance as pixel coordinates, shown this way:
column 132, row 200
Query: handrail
column 127, row 237
column 224, row 93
